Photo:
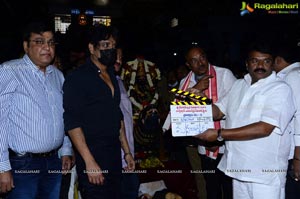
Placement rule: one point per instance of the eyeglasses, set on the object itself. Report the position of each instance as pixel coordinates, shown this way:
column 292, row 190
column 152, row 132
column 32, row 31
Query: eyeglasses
column 255, row 61
column 41, row 42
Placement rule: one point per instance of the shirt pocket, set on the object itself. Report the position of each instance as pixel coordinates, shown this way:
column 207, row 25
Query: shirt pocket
column 256, row 106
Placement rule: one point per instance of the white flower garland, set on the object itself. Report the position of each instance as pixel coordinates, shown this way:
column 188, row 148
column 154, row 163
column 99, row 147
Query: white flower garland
column 134, row 64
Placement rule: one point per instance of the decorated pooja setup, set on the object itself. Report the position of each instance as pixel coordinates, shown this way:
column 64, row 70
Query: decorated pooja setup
column 140, row 77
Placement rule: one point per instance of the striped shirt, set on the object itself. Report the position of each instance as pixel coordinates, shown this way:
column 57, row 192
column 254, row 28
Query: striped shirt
column 31, row 111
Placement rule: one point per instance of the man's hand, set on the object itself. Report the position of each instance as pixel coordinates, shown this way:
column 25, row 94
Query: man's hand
column 203, row 83
column 210, row 135
column 66, row 164
column 130, row 162
column 296, row 163
column 6, row 182
column 94, row 173
column 195, row 91
column 296, row 168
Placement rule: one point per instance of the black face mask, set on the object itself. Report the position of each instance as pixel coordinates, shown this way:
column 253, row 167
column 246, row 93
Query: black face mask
column 108, row 57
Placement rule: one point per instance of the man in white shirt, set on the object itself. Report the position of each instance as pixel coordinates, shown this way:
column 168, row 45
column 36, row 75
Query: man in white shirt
column 215, row 82
column 258, row 110
column 287, row 67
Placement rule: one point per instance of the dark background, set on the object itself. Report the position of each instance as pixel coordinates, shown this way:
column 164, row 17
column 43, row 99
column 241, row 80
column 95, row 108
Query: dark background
column 145, row 27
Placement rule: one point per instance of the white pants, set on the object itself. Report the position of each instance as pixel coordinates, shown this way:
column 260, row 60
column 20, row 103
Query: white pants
column 250, row 190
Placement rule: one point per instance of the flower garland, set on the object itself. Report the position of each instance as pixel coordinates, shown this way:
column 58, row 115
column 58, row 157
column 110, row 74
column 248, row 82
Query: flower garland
column 134, row 66
column 151, row 162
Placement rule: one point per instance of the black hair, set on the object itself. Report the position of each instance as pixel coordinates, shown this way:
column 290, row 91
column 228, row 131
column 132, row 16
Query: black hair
column 288, row 51
column 262, row 46
column 101, row 32
column 37, row 27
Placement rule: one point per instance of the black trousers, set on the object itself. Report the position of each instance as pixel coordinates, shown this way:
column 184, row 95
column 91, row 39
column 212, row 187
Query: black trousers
column 292, row 187
column 218, row 185
column 107, row 154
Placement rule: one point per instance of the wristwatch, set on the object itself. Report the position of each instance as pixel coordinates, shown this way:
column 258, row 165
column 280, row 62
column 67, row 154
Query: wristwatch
column 219, row 137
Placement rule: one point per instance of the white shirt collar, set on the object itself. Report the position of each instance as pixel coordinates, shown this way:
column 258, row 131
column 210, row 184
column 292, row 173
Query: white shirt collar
column 287, row 69
column 248, row 78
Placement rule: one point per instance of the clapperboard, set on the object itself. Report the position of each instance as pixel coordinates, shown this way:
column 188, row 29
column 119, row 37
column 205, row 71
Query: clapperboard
column 190, row 114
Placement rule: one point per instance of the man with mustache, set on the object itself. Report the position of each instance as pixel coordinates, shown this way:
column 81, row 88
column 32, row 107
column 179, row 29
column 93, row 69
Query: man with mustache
column 31, row 119
column 258, row 110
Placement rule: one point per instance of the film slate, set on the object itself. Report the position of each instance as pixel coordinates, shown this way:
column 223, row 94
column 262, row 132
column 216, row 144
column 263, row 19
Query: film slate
column 189, row 118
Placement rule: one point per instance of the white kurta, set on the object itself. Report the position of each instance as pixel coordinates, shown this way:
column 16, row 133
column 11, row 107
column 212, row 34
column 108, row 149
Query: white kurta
column 225, row 80
column 291, row 75
column 262, row 160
